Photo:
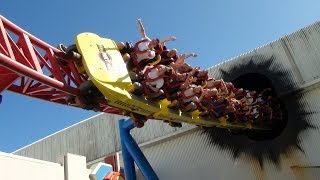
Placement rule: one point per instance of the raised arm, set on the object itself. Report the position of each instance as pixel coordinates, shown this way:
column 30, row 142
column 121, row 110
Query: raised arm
column 190, row 55
column 172, row 38
column 183, row 57
column 141, row 28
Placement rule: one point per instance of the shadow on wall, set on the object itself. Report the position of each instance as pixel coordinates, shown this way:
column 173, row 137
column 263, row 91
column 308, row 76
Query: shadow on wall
column 256, row 73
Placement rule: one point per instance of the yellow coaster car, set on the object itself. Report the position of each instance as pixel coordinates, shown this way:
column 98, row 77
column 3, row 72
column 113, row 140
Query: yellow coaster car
column 103, row 63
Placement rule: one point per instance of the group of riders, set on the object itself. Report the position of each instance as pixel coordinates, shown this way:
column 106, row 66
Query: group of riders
column 159, row 72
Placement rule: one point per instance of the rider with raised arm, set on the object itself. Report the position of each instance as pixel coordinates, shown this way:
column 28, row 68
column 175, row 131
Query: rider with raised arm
column 180, row 65
column 161, row 47
column 146, row 48
column 169, row 56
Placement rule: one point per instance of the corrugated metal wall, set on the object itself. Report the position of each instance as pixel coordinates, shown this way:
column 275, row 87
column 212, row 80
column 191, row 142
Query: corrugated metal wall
column 294, row 61
column 94, row 138
column 190, row 157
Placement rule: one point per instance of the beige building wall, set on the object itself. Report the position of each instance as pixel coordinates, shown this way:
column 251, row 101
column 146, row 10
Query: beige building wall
column 13, row 167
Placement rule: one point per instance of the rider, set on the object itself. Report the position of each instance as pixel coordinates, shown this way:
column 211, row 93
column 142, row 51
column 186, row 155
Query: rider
column 169, row 56
column 146, row 48
column 218, row 84
column 189, row 96
column 154, row 79
column 180, row 65
column 205, row 100
column 201, row 77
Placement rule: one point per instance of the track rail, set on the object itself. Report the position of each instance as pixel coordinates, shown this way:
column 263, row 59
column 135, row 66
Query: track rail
column 31, row 67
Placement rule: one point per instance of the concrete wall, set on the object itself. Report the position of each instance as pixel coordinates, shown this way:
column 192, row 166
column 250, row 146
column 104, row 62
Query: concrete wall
column 13, row 167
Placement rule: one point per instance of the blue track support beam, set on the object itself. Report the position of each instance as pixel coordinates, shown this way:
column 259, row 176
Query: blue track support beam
column 129, row 168
column 140, row 159
column 127, row 125
column 132, row 151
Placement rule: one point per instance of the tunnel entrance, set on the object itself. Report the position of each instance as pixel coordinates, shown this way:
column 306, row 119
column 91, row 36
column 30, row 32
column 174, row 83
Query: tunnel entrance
column 258, row 82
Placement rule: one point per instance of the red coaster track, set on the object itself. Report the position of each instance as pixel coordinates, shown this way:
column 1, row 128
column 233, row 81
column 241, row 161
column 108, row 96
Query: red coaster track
column 30, row 66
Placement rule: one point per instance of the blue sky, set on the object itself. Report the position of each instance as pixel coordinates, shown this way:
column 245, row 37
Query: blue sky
column 216, row 31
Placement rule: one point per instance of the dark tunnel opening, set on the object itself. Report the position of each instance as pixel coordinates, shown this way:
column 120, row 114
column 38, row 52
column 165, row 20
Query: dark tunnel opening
column 258, row 82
